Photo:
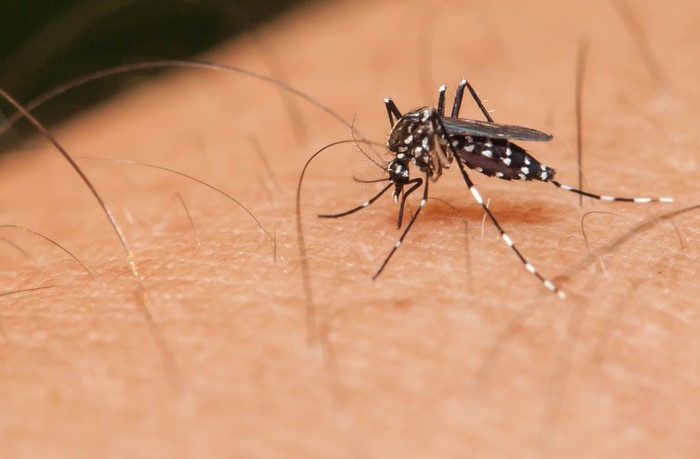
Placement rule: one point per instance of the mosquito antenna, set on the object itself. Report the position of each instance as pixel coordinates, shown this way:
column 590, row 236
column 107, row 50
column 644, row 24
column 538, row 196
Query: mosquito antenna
column 359, row 147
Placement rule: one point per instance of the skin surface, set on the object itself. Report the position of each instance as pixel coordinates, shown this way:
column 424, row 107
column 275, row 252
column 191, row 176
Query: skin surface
column 456, row 350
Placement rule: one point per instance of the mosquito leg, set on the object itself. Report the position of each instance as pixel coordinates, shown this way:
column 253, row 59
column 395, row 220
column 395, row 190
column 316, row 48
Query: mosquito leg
column 547, row 283
column 359, row 180
column 441, row 101
column 478, row 101
column 418, row 182
column 408, row 227
column 458, row 99
column 360, row 207
column 392, row 111
column 570, row 188
column 477, row 197
column 608, row 198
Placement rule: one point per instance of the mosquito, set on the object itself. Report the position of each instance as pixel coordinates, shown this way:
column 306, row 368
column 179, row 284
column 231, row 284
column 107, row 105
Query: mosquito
column 431, row 141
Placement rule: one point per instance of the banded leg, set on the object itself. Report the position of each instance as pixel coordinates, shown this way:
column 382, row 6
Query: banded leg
column 567, row 187
column 360, row 207
column 477, row 197
column 408, row 227
column 609, row 198
column 529, row 266
column 462, row 167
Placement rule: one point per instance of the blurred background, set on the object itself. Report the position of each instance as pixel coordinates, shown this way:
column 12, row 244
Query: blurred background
column 49, row 42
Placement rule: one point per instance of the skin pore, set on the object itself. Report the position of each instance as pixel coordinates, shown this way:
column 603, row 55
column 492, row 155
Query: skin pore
column 455, row 350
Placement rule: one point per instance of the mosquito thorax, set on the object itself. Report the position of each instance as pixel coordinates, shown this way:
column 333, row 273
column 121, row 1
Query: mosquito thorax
column 412, row 135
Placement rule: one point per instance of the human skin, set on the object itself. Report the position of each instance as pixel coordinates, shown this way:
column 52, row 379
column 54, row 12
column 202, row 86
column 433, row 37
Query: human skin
column 455, row 350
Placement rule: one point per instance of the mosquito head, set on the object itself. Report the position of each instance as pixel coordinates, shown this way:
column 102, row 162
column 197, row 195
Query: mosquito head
column 398, row 171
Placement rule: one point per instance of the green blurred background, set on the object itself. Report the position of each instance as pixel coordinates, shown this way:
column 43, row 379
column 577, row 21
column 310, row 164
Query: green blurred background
column 48, row 42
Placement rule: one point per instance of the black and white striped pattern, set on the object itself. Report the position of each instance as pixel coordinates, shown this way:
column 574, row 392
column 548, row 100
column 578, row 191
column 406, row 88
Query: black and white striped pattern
column 430, row 141
column 602, row 197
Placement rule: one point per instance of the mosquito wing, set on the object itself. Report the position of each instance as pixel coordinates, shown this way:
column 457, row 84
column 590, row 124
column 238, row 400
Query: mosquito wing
column 461, row 126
